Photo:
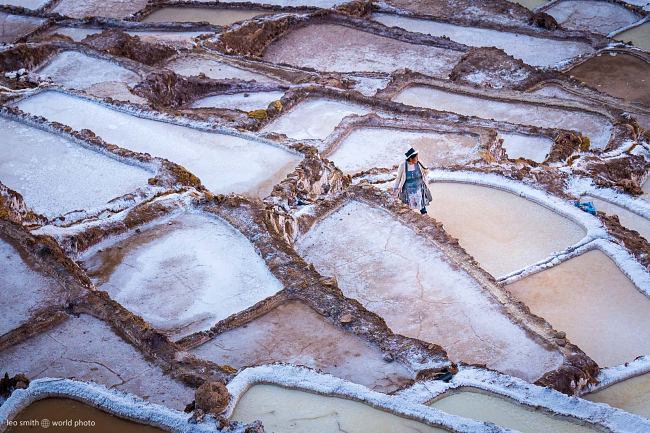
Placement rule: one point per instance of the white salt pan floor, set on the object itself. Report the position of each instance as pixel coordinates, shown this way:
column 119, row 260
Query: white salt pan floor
column 596, row 127
column 291, row 411
column 411, row 284
column 313, row 119
column 28, row 4
column 214, row 158
column 503, row 231
column 646, row 189
column 194, row 65
column 78, row 71
column 591, row 16
column 598, row 307
column 295, row 333
column 239, row 101
column 535, row 148
column 19, row 281
column 639, row 36
column 178, row 289
column 99, row 8
column 505, row 413
column 532, row 50
column 627, row 218
column 217, row 17
column 365, row 148
column 85, row 348
column 632, row 395
column 46, row 169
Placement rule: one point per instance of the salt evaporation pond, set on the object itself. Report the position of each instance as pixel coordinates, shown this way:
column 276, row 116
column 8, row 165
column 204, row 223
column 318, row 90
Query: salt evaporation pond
column 504, row 232
column 631, row 395
column 87, row 349
column 505, row 413
column 20, row 279
column 313, row 118
column 215, row 158
column 366, row 148
column 409, row 282
column 312, row 3
column 591, row 15
column 27, row 4
column 287, row 334
column 14, row 26
column 531, row 4
column 532, row 50
column 627, row 218
column 217, row 17
column 337, row 48
column 639, row 36
column 596, row 127
column 292, row 411
column 182, row 39
column 239, row 101
column 597, row 306
column 46, row 168
column 535, row 148
column 193, row 65
column 60, row 410
column 622, row 75
column 99, row 8
column 183, row 290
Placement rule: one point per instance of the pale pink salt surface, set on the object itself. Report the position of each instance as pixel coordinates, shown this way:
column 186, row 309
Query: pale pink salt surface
column 85, row 348
column 239, row 101
column 192, row 65
column 14, row 26
column 504, row 232
column 597, row 306
column 639, row 36
column 218, row 17
column 28, row 4
column 631, row 395
column 22, row 288
column 337, row 48
column 627, row 218
column 591, row 16
column 296, row 334
column 596, row 127
column 99, row 8
column 365, row 148
column 182, row 290
column 411, row 284
column 531, row 4
column 535, row 148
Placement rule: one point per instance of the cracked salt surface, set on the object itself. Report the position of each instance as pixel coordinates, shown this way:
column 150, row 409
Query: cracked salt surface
column 215, row 158
column 535, row 148
column 85, row 348
column 503, row 231
column 596, row 127
column 296, row 334
column 217, row 17
column 504, row 412
column 631, row 395
column 532, row 50
column 20, row 280
column 46, row 168
column 366, row 148
column 411, row 284
column 337, row 48
column 177, row 289
column 597, row 306
column 291, row 411
column 193, row 65
column 591, row 16
column 239, row 101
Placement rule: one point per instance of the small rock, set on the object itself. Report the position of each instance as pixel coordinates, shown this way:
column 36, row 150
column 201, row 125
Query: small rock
column 561, row 342
column 560, row 334
column 346, row 318
column 388, row 357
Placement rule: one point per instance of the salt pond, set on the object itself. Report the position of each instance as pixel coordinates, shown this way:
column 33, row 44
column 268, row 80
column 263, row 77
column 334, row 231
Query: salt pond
column 530, row 4
column 337, row 48
column 597, row 306
column 639, row 36
column 313, row 118
column 503, row 231
column 14, row 26
column 180, row 39
column 60, row 410
column 183, row 290
column 366, row 148
column 99, row 8
column 287, row 334
column 627, row 218
column 591, row 15
column 239, row 101
column 192, row 65
column 411, row 284
column 631, row 395
column 214, row 16
column 292, row 411
column 28, row 4
column 596, row 127
column 21, row 280
column 532, row 50
column 535, row 148
column 215, row 158
column 505, row 413
column 46, row 168
column 87, row 349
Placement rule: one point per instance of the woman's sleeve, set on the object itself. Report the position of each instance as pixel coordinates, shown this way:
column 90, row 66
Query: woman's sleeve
column 400, row 170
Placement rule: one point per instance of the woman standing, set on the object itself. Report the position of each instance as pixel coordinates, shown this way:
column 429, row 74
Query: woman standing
column 411, row 183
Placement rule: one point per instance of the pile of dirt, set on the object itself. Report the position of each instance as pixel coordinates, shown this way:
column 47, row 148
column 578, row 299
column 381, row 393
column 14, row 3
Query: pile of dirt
column 493, row 68
column 119, row 43
column 165, row 88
